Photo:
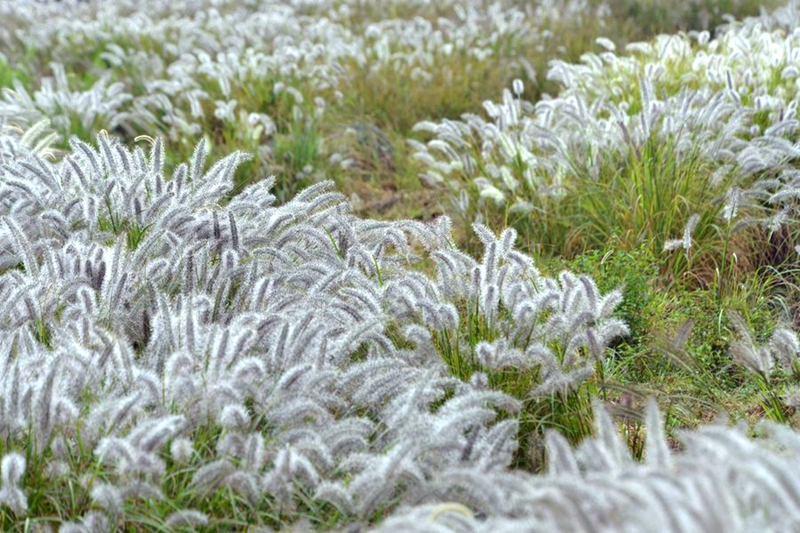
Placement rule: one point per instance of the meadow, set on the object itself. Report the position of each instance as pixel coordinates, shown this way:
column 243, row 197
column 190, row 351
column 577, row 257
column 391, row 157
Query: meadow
column 400, row 265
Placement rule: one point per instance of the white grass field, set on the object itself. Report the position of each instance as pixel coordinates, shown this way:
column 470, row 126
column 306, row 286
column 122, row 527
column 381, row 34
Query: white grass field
column 399, row 265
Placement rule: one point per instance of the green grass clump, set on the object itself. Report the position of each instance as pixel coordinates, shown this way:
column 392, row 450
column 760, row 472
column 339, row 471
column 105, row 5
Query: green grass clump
column 9, row 74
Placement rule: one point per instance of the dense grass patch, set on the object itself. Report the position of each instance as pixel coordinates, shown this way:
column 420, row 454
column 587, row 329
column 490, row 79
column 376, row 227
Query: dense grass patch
column 458, row 266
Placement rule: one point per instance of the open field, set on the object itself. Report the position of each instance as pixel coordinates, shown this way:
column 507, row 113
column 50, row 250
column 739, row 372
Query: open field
column 400, row 265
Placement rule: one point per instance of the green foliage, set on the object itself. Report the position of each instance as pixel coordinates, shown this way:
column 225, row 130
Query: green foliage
column 650, row 17
column 9, row 73
column 680, row 334
column 636, row 272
